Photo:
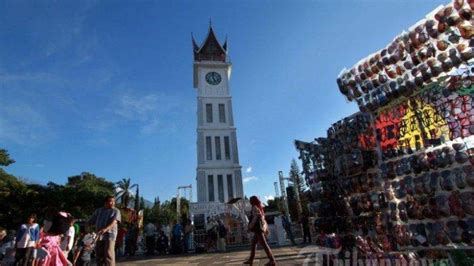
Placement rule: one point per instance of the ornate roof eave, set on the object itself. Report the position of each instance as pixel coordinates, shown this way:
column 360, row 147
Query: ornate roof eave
column 211, row 34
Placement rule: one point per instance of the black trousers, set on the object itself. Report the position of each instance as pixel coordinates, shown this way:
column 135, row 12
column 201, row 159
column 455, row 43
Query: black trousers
column 23, row 256
column 306, row 235
column 150, row 245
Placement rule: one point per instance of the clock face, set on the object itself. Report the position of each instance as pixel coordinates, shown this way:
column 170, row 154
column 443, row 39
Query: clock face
column 213, row 78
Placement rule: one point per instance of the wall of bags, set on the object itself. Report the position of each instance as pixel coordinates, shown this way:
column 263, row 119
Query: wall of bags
column 426, row 53
column 400, row 178
column 399, row 175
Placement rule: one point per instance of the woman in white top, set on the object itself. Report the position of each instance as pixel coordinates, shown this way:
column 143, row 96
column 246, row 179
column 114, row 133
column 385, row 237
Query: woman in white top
column 26, row 240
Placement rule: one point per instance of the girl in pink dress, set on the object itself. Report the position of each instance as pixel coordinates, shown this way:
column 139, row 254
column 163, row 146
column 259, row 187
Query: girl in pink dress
column 49, row 252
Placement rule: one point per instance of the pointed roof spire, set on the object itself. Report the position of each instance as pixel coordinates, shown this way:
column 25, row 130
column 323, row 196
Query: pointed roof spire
column 195, row 46
column 224, row 46
column 211, row 49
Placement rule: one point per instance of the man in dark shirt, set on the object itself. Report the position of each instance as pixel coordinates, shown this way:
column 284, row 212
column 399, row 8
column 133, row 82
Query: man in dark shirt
column 106, row 220
column 305, row 224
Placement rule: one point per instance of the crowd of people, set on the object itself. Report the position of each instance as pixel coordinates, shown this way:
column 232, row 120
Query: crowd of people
column 63, row 240
column 163, row 240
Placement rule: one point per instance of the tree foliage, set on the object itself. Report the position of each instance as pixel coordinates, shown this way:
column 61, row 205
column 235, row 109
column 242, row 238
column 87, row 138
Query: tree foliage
column 124, row 191
column 81, row 195
column 165, row 213
column 275, row 204
column 5, row 159
column 300, row 185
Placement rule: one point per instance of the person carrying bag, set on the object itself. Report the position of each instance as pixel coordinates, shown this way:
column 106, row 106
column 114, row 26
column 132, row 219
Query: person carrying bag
column 259, row 227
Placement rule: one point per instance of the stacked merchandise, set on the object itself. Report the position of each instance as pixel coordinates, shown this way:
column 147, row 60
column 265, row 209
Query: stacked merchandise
column 341, row 170
column 416, row 97
column 419, row 89
column 328, row 202
column 427, row 53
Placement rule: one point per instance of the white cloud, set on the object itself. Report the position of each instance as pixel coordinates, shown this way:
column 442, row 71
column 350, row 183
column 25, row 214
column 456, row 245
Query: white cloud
column 23, row 124
column 135, row 107
column 148, row 110
column 248, row 179
column 249, row 169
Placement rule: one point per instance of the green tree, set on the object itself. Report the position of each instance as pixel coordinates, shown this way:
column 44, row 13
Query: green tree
column 300, row 186
column 274, row 204
column 86, row 192
column 5, row 159
column 81, row 195
column 137, row 200
column 124, row 191
column 142, row 203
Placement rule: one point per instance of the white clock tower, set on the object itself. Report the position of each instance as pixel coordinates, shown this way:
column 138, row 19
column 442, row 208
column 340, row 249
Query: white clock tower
column 218, row 173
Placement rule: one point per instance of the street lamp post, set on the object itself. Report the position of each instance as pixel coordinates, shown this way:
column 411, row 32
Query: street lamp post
column 283, row 195
column 178, row 197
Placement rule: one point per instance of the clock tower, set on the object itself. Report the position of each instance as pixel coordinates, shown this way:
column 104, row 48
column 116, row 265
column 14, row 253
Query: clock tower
column 218, row 173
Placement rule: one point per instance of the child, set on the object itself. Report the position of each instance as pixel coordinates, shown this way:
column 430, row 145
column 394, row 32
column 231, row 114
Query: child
column 86, row 246
column 8, row 249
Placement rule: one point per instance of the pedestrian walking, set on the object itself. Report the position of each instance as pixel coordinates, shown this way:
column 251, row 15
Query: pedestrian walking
column 222, row 232
column 131, row 239
column 150, row 234
column 188, row 230
column 106, row 220
column 287, row 226
column 163, row 244
column 27, row 238
column 67, row 240
column 49, row 251
column 177, row 232
column 305, row 224
column 85, row 247
column 3, row 238
column 259, row 227
column 211, row 234
column 8, row 249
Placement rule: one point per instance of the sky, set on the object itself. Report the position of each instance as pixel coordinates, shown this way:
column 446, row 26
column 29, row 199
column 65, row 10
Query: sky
column 106, row 86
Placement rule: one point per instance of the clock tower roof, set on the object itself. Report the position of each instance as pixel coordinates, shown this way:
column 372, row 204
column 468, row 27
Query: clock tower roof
column 211, row 49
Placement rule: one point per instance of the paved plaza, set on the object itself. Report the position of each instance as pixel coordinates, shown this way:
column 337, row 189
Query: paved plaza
column 283, row 255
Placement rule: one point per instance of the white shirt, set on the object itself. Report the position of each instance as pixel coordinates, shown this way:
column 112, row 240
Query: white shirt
column 26, row 241
column 68, row 239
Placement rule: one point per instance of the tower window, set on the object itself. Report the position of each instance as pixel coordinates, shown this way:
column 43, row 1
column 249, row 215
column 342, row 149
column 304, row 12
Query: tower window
column 208, row 148
column 221, row 113
column 209, row 113
column 230, row 187
column 220, row 188
column 226, row 148
column 210, row 187
column 218, row 148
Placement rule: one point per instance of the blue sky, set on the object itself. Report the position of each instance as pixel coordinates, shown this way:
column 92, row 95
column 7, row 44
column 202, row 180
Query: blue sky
column 106, row 86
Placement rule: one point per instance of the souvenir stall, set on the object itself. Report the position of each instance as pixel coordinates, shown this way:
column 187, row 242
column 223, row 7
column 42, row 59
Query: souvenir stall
column 417, row 95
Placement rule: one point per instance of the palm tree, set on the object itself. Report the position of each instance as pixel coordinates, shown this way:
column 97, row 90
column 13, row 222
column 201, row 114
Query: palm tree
column 123, row 191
